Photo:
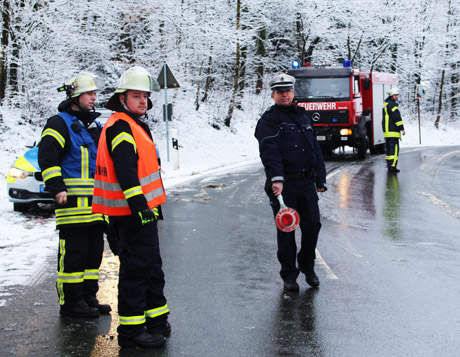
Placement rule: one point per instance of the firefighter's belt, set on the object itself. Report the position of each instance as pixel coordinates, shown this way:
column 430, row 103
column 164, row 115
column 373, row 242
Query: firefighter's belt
column 300, row 175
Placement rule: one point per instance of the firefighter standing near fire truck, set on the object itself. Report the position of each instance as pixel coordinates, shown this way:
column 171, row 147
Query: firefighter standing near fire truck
column 128, row 188
column 392, row 125
column 295, row 168
column 67, row 158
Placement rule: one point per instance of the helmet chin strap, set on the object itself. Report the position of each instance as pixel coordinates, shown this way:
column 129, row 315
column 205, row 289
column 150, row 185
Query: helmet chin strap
column 125, row 106
column 76, row 101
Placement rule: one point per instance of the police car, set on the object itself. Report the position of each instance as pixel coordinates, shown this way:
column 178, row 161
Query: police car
column 24, row 182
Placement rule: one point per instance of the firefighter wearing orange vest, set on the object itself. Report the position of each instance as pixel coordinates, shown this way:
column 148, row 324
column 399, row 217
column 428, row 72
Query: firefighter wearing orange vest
column 128, row 188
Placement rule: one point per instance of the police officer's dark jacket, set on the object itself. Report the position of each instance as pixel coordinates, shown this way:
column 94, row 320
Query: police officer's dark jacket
column 288, row 145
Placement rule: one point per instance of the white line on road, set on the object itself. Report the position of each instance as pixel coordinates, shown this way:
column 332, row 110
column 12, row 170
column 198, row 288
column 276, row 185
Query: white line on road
column 437, row 159
column 335, row 172
column 321, row 261
column 441, row 204
column 323, row 264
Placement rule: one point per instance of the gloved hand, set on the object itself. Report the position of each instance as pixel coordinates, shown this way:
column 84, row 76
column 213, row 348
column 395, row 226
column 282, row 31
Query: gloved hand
column 148, row 216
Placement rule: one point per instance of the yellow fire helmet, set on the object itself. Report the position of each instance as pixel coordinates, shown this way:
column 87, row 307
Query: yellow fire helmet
column 83, row 82
column 137, row 78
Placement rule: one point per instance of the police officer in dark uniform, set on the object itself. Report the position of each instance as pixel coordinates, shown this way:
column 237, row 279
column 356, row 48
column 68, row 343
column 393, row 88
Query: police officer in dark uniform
column 392, row 126
column 295, row 168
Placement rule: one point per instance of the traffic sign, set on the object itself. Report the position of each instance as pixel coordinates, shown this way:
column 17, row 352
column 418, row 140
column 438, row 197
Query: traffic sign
column 171, row 81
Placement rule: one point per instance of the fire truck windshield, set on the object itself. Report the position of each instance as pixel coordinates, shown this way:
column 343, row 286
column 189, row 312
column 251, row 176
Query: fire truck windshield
column 322, row 89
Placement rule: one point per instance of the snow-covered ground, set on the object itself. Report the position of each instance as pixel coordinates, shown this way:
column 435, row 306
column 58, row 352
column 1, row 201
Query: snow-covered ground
column 26, row 241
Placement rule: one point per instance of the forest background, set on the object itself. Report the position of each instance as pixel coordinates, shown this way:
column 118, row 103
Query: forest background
column 224, row 51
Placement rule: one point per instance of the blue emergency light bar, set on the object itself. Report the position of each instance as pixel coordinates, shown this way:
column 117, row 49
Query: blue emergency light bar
column 295, row 64
column 346, row 64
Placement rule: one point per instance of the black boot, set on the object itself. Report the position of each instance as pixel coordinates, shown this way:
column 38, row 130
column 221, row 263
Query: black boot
column 145, row 340
column 78, row 309
column 103, row 308
column 155, row 326
column 291, row 285
column 311, row 278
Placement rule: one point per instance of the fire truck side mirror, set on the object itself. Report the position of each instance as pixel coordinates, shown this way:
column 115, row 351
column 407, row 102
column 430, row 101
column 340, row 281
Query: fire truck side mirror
column 367, row 83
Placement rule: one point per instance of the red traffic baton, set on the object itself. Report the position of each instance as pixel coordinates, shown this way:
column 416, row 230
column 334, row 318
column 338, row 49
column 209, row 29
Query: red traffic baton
column 287, row 219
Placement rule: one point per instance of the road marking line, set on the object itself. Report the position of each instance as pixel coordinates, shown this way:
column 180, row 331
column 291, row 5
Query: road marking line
column 321, row 261
column 333, row 174
column 441, row 204
column 323, row 264
column 441, row 158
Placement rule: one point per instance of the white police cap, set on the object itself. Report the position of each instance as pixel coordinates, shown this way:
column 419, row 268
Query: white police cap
column 282, row 82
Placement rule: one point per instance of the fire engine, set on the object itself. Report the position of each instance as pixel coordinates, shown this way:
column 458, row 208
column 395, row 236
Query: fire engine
column 344, row 104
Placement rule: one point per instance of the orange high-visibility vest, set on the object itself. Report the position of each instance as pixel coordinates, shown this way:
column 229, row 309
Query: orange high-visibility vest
column 108, row 197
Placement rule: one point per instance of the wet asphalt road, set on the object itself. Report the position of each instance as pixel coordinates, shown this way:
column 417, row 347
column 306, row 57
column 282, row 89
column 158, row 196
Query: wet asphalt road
column 388, row 265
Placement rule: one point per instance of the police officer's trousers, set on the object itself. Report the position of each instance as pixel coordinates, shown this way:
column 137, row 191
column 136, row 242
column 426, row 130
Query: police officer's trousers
column 141, row 279
column 301, row 195
column 79, row 258
column 392, row 151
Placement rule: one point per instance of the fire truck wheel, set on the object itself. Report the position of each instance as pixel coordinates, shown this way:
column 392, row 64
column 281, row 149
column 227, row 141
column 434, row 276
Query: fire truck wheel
column 380, row 148
column 362, row 150
column 326, row 151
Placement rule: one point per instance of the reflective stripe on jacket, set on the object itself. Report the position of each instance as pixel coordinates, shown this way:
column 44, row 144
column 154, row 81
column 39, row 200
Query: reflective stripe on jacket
column 392, row 123
column 77, row 169
column 78, row 166
column 108, row 197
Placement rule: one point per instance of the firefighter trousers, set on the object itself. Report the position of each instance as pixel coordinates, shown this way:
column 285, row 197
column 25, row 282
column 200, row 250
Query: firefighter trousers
column 141, row 300
column 392, row 151
column 299, row 194
column 79, row 258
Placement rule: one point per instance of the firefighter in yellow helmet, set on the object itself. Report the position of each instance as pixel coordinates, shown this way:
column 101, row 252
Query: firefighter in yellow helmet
column 67, row 159
column 128, row 188
column 393, row 126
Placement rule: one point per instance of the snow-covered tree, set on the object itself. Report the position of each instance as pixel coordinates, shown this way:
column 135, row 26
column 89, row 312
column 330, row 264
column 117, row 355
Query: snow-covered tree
column 224, row 50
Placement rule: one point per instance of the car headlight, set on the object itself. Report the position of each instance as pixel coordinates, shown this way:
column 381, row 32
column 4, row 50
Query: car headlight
column 18, row 173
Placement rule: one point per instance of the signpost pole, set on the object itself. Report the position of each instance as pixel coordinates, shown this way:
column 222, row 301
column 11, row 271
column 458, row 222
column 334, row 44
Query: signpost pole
column 166, row 111
column 167, row 80
column 175, row 146
column 420, row 90
column 419, row 128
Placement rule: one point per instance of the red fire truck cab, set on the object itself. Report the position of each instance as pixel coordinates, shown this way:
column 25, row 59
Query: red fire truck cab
column 345, row 105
